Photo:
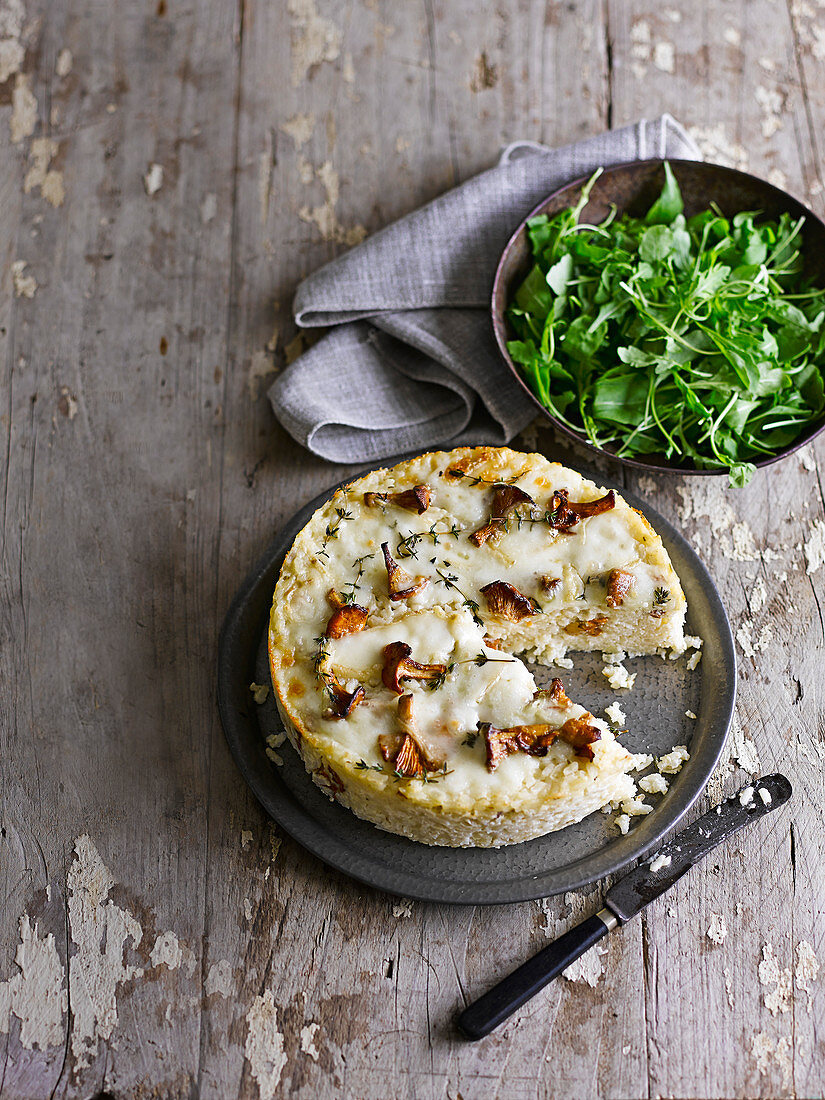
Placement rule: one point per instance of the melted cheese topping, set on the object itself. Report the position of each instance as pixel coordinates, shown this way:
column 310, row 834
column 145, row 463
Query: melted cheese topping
column 449, row 623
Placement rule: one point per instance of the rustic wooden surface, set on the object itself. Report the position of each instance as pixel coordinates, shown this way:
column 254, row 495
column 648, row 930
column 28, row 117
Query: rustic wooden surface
column 158, row 937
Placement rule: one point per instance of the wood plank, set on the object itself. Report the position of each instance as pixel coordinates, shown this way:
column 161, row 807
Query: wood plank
column 149, row 474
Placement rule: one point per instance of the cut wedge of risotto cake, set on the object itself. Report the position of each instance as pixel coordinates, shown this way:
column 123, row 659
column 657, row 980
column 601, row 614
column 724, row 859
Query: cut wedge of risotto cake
column 395, row 625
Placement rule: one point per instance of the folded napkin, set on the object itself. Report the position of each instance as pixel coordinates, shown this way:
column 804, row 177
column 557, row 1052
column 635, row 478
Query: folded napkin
column 411, row 362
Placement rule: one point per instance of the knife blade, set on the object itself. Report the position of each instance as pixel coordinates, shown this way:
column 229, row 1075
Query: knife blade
column 625, row 900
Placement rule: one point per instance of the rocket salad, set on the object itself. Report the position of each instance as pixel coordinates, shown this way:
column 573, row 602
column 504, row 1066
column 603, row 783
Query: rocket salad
column 697, row 338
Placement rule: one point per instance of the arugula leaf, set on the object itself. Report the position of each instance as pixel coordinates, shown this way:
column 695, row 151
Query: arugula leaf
column 668, row 204
column 698, row 339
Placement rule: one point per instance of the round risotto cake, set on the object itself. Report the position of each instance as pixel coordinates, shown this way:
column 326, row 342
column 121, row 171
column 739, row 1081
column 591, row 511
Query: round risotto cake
column 395, row 625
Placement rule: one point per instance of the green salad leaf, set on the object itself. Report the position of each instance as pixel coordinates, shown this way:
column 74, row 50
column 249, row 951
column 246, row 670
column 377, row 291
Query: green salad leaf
column 698, row 339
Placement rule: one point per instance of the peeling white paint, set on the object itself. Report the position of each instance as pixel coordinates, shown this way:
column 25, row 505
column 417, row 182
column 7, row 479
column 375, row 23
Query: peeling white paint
column 325, row 217
column 313, row 40
column 48, row 180
column 100, row 930
column 807, row 969
column 37, row 995
column 728, row 986
column 758, row 597
column 777, row 999
column 300, row 128
column 764, row 1051
column 12, row 17
column 743, row 750
column 219, row 979
column 23, row 109
column 772, row 102
column 749, row 645
column 264, row 1046
column 714, row 144
column 170, row 952
column 308, row 1041
column 664, row 57
column 63, row 65
column 68, row 403
column 246, row 839
column 153, row 180
column 265, row 178
column 261, row 366
column 717, row 929
column 25, row 286
column 402, row 908
column 814, row 547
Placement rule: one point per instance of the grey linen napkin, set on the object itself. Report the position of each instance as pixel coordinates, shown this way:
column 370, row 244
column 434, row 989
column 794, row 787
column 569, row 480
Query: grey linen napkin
column 411, row 362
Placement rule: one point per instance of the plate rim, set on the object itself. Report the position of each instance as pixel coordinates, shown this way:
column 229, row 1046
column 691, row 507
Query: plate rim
column 239, row 720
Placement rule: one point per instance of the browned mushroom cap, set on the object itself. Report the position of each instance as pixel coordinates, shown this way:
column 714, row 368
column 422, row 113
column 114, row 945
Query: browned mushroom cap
column 398, row 667
column 581, row 734
column 585, row 508
column 343, row 701
column 619, row 584
column 505, row 600
column 505, row 497
column 336, row 602
column 400, row 583
column 555, row 694
column 565, row 514
column 549, row 585
column 349, row 619
column 535, row 740
column 405, row 750
column 414, row 500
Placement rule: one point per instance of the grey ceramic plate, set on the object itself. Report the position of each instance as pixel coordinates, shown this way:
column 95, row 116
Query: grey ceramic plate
column 582, row 853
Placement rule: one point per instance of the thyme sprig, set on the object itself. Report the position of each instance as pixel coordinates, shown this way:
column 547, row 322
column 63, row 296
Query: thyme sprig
column 408, row 547
column 350, row 589
column 479, row 660
column 474, row 480
column 427, row 777
column 319, row 658
column 661, row 596
column 363, row 766
column 450, row 579
column 342, row 514
column 470, row 739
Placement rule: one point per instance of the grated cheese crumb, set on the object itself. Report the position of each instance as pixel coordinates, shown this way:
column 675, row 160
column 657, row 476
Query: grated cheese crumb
column 635, row 807
column 260, row 692
column 765, row 796
column 641, row 761
column 672, row 761
column 690, row 714
column 618, row 677
column 615, row 713
column 623, row 821
column 659, row 862
column 654, row 784
column 746, row 796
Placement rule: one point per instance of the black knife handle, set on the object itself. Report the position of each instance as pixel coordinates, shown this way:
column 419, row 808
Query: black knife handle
column 485, row 1014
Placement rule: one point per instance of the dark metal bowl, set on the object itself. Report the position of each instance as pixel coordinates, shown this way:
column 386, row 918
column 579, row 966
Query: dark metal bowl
column 632, row 189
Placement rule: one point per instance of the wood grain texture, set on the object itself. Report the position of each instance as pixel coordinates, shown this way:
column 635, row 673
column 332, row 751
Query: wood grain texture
column 143, row 473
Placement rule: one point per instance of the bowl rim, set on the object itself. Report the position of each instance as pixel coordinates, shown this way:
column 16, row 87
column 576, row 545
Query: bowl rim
column 499, row 322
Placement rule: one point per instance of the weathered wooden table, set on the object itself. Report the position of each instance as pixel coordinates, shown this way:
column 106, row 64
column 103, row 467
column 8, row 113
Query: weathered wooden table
column 169, row 173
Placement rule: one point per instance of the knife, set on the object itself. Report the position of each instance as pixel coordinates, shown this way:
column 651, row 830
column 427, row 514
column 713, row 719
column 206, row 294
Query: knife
column 624, row 900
